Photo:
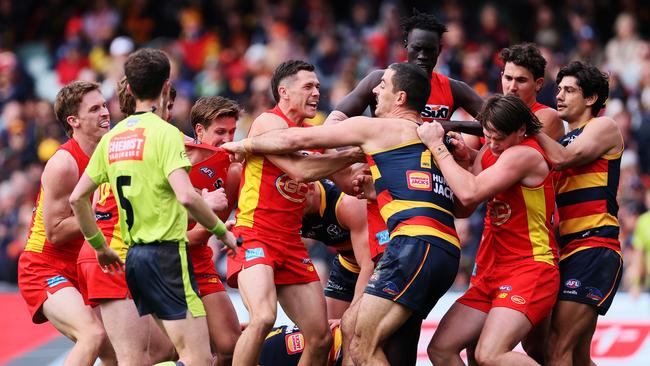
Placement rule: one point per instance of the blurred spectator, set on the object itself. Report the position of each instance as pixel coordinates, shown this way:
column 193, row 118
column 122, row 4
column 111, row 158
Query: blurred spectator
column 623, row 51
column 196, row 43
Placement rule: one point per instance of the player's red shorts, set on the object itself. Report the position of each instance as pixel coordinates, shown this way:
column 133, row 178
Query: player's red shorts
column 205, row 272
column 530, row 288
column 378, row 235
column 38, row 275
column 290, row 262
column 94, row 284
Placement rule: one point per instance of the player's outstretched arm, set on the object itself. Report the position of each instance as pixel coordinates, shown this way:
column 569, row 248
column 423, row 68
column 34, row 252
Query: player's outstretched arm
column 511, row 167
column 355, row 103
column 465, row 97
column 598, row 137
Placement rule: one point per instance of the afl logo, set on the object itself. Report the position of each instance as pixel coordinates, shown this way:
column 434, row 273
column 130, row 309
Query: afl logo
column 290, row 189
column 572, row 283
column 500, row 212
column 207, row 171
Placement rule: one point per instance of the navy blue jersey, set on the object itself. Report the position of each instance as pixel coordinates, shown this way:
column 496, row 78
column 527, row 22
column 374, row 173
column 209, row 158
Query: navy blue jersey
column 413, row 196
column 325, row 227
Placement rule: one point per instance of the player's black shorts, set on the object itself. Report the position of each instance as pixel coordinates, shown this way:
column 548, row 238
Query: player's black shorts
column 161, row 280
column 415, row 273
column 591, row 276
column 341, row 282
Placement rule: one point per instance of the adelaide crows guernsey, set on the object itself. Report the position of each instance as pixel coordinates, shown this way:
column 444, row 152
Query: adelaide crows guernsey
column 413, row 196
column 586, row 200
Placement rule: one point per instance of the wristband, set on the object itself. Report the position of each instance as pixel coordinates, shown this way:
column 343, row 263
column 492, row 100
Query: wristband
column 219, row 229
column 247, row 145
column 97, row 241
column 440, row 149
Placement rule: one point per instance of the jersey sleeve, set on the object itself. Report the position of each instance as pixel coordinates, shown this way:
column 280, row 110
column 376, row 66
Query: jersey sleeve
column 171, row 151
column 97, row 170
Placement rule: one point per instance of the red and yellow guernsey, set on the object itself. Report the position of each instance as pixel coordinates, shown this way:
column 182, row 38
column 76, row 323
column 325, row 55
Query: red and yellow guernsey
column 270, row 202
column 518, row 221
column 537, row 106
column 586, row 200
column 212, row 172
column 37, row 241
column 108, row 221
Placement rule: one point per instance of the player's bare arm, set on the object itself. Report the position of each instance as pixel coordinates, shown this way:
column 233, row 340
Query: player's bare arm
column 514, row 165
column 59, row 179
column 466, row 97
column 352, row 214
column 552, row 123
column 601, row 136
column 355, row 103
column 79, row 200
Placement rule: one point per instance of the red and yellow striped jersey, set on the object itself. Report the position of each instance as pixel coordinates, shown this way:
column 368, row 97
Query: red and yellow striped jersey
column 518, row 221
column 108, row 220
column 586, row 200
column 270, row 202
column 37, row 241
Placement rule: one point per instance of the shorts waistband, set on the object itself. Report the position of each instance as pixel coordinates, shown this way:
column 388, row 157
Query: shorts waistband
column 157, row 243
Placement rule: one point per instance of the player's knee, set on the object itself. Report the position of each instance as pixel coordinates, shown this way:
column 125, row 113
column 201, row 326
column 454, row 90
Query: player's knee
column 321, row 342
column 486, row 356
column 93, row 336
column 262, row 323
column 436, row 353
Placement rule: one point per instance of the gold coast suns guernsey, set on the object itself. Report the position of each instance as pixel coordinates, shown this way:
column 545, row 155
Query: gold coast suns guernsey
column 108, row 221
column 270, row 202
column 518, row 220
column 37, row 241
column 413, row 196
column 212, row 172
column 586, row 200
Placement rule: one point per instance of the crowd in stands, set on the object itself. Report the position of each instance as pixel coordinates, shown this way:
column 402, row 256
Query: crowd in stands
column 230, row 48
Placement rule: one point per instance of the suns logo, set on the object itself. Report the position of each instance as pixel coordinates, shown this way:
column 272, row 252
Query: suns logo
column 500, row 212
column 290, row 189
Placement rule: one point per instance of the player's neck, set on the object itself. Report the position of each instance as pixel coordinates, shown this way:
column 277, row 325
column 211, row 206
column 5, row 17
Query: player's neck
column 292, row 114
column 408, row 115
column 86, row 143
column 148, row 105
column 580, row 120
